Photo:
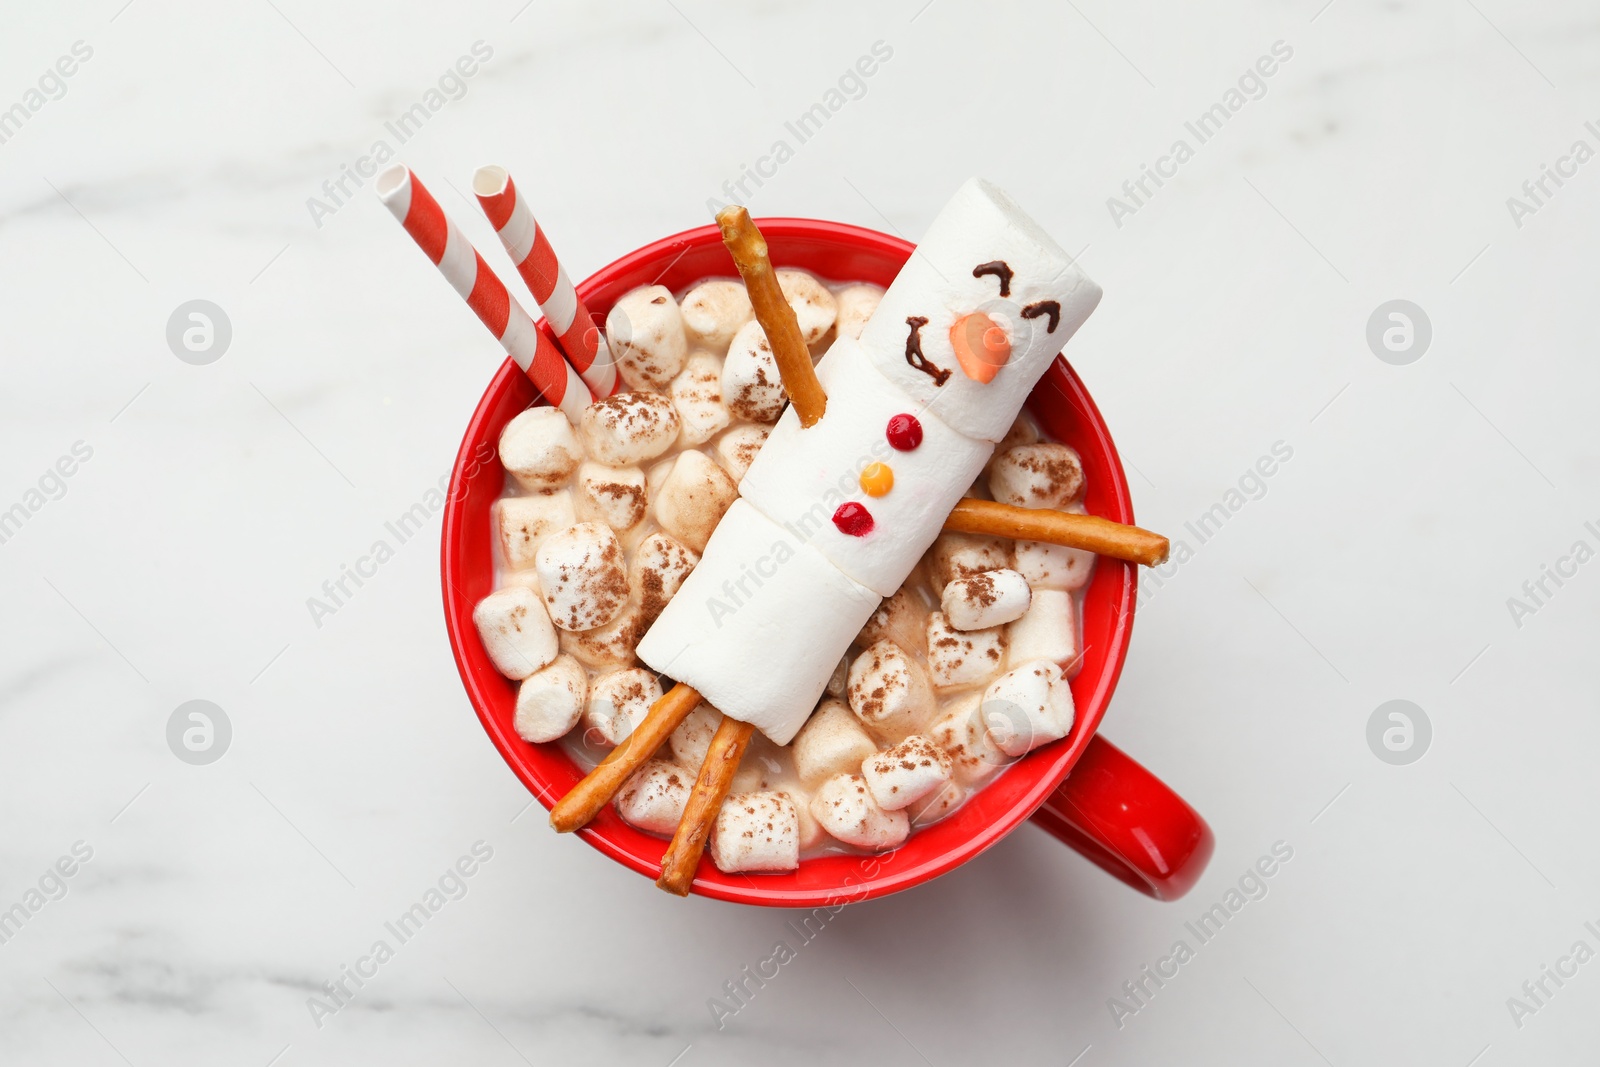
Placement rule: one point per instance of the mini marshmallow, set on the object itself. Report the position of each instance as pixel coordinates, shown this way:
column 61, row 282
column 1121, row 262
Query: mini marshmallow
column 889, row 691
column 957, row 555
column 582, row 576
column 618, row 703
column 751, row 385
column 1049, row 630
column 658, row 568
column 763, row 768
column 1022, row 432
column 1047, row 566
column 692, row 738
column 713, row 311
column 550, row 700
column 839, row 678
column 751, row 778
column 958, row 658
column 611, row 495
column 936, row 805
column 900, row 776
column 628, row 427
column 516, row 631
column 811, row 832
column 831, row 742
column 759, row 625
column 656, row 475
column 814, row 307
column 540, row 449
column 756, row 832
column 645, row 329
column 991, row 598
column 654, row 796
column 1042, row 475
column 528, row 578
column 1033, row 290
column 660, row 564
column 525, row 521
column 846, row 810
column 697, row 398
column 693, row 499
column 804, row 474
column 964, row 736
column 738, row 448
column 1028, row 707
column 901, row 618
column 608, row 646
column 856, row 305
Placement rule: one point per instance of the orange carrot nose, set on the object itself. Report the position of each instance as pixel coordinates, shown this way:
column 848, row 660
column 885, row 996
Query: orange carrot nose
column 981, row 345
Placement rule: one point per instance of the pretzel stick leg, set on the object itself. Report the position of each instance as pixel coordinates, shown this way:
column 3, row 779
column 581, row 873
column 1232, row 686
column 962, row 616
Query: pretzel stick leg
column 710, row 790
column 584, row 801
column 1088, row 532
column 749, row 251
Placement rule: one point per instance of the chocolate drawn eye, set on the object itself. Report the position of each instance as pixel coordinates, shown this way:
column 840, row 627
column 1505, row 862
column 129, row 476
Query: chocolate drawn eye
column 914, row 354
column 1044, row 307
column 1000, row 270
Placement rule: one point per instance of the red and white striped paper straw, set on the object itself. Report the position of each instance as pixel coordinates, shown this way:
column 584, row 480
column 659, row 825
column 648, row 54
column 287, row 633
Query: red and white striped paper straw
column 443, row 242
column 547, row 280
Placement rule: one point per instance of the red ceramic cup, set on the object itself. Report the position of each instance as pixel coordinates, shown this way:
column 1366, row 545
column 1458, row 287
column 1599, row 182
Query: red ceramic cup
column 1081, row 789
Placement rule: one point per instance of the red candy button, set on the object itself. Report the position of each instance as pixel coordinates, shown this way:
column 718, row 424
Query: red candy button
column 904, row 433
column 854, row 519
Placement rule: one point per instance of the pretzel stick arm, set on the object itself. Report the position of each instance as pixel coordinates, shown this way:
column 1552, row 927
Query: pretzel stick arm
column 749, row 251
column 1089, row 532
column 584, row 801
column 710, row 790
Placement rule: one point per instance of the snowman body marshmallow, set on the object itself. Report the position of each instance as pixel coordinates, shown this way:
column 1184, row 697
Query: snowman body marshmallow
column 833, row 517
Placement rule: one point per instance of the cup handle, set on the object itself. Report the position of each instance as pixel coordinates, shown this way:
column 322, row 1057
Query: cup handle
column 1128, row 822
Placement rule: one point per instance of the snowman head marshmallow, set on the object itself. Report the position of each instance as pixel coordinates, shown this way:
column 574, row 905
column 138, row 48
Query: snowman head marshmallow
column 979, row 312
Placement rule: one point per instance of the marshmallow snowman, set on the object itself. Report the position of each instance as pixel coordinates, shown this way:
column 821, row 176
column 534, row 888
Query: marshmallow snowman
column 834, row 516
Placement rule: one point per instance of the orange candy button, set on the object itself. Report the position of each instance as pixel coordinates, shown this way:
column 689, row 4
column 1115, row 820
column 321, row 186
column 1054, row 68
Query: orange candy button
column 981, row 346
column 877, row 479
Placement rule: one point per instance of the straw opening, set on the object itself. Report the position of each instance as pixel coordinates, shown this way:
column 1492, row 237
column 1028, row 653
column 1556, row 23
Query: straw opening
column 391, row 181
column 490, row 181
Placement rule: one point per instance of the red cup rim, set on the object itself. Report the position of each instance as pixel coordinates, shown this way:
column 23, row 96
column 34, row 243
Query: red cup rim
column 547, row 771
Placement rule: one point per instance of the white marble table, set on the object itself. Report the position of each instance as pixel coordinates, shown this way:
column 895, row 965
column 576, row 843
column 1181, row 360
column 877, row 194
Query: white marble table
column 1377, row 563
